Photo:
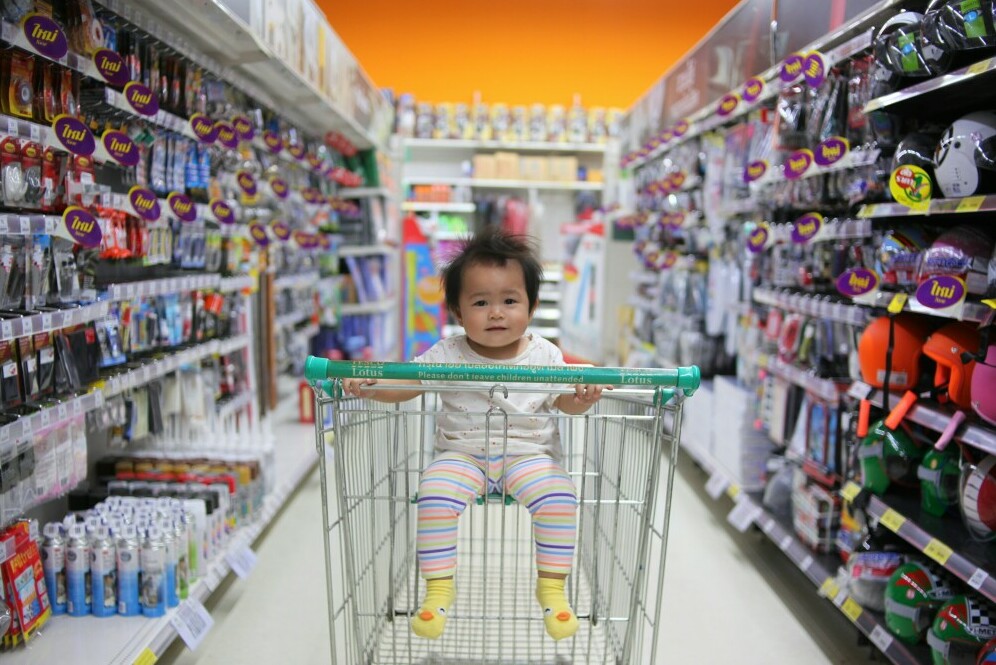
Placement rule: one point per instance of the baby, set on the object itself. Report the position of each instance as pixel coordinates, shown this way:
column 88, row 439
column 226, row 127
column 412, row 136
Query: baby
column 492, row 287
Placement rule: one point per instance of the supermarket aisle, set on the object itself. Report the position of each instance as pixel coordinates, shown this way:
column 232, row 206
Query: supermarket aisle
column 728, row 599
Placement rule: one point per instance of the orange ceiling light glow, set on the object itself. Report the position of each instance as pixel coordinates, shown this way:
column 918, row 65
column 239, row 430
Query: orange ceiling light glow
column 522, row 51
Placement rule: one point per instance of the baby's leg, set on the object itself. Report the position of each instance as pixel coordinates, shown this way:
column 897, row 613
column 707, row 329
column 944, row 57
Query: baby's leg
column 541, row 485
column 448, row 485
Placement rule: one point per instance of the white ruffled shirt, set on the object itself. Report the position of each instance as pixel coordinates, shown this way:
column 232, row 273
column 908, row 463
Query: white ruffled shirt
column 530, row 430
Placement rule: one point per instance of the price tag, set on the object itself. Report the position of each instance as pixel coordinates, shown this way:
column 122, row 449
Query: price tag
column 35, row 133
column 192, row 622
column 980, row 67
column 851, row 609
column 978, row 578
column 892, row 520
column 12, row 126
column 733, row 491
column 4, row 434
column 743, row 515
column 45, row 416
column 8, row 549
column 849, row 491
column 881, row 638
column 46, row 322
column 768, row 527
column 78, row 407
column 242, row 561
column 785, row 544
column 63, row 412
column 147, row 657
column 105, row 307
column 7, row 329
column 970, row 204
column 717, row 485
column 147, row 373
column 897, row 303
column 27, row 326
column 938, row 551
column 829, row 588
column 4, row 226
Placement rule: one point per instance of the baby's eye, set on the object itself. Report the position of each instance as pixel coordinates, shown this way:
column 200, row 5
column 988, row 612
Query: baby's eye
column 510, row 301
column 481, row 303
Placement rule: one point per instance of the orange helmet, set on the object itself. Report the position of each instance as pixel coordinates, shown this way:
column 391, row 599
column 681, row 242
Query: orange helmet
column 945, row 347
column 911, row 331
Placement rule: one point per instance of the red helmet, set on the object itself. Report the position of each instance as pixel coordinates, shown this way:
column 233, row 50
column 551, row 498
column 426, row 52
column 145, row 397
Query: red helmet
column 911, row 331
column 945, row 347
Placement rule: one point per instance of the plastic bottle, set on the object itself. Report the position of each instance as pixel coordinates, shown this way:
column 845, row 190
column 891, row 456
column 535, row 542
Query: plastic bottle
column 54, row 563
column 128, row 558
column 103, row 571
column 78, row 572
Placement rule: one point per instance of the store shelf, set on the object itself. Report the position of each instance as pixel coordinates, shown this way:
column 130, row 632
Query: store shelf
column 933, row 416
column 826, row 389
column 365, row 250
column 291, row 320
column 377, row 307
column 29, row 224
column 230, row 407
column 833, row 230
column 489, row 183
column 968, row 205
column 824, row 307
column 516, row 146
column 418, row 206
column 56, row 416
column 297, row 281
column 164, row 119
column 943, row 539
column 364, row 193
column 978, row 75
column 238, row 283
column 644, row 278
column 158, row 287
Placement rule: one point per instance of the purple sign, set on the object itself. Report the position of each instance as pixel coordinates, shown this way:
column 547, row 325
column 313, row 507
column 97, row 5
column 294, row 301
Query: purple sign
column 82, row 227
column 247, row 183
column 45, row 36
column 679, row 129
column 273, row 141
column 120, row 147
column 831, row 151
column 222, row 211
column 258, row 233
column 798, row 163
column 941, row 292
column 752, row 89
column 791, row 67
column 203, row 128
column 727, row 105
column 226, row 135
column 857, row 282
column 111, row 67
column 141, row 99
column 74, row 135
column 243, row 127
column 296, row 150
column 757, row 241
column 755, row 170
column 182, row 207
column 281, row 230
column 280, row 187
column 814, row 69
column 324, row 241
column 145, row 203
column 667, row 135
column 305, row 240
column 806, row 227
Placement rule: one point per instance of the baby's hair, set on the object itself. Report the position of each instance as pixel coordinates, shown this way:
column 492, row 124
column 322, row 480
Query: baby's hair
column 493, row 247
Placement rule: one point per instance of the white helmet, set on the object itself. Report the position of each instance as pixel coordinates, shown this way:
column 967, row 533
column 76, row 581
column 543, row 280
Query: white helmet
column 955, row 169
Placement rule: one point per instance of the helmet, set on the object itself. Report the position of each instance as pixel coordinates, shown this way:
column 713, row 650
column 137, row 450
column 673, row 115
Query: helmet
column 984, row 387
column 912, row 595
column 945, row 347
column 954, row 160
column 956, row 25
column 978, row 498
column 888, row 456
column 900, row 47
column 899, row 255
column 960, row 629
column 910, row 333
column 964, row 252
column 987, row 655
column 938, row 474
column 867, row 575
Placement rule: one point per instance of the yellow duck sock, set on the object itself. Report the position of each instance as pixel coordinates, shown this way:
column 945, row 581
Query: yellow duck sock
column 430, row 620
column 560, row 620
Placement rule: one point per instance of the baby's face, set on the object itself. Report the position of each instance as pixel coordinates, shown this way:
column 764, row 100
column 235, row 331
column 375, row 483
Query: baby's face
column 494, row 309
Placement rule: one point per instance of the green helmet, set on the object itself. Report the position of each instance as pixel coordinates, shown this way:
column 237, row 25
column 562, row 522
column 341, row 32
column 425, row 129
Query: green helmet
column 939, row 474
column 961, row 628
column 913, row 594
column 887, row 455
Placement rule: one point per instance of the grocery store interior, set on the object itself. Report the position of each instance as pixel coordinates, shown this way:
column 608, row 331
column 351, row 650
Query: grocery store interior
column 766, row 224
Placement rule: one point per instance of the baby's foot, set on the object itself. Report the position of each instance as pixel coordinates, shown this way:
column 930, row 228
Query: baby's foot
column 559, row 618
column 430, row 619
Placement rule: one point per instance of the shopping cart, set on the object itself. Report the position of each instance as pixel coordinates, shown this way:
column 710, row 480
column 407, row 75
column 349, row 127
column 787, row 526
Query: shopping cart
column 621, row 456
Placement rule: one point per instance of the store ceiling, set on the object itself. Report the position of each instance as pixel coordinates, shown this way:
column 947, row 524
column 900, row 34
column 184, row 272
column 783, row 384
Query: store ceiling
column 522, row 51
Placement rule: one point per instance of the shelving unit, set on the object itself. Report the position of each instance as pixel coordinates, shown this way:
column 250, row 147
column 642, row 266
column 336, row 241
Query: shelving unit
column 514, row 146
column 418, row 206
column 480, row 183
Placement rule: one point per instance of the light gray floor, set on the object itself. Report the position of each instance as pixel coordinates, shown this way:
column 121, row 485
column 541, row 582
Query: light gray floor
column 728, row 597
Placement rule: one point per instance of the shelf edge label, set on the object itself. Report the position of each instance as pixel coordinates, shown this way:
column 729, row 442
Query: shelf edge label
column 679, row 129
column 141, row 99
column 759, row 239
column 943, row 293
column 111, row 67
column 807, row 228
column 280, row 187
column 814, row 69
column 273, row 141
column 45, row 36
column 281, row 230
column 259, row 234
column 74, row 135
column 832, row 150
column 144, row 202
column 727, row 105
column 81, row 227
column 798, row 163
column 182, row 207
column 753, row 89
column 792, row 67
column 755, row 171
column 858, row 284
column 121, row 148
column 243, row 127
column 222, row 211
column 247, row 182
column 202, row 127
column 296, row 150
column 226, row 135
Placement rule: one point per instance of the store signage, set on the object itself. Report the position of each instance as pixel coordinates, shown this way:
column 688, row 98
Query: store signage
column 306, row 240
column 243, row 127
column 667, row 260
column 832, row 150
column 258, row 233
column 182, row 207
column 680, row 129
column 654, row 143
column 798, row 163
column 727, row 105
column 226, row 135
column 296, row 150
column 910, row 186
column 667, row 135
column 807, row 228
column 281, row 230
column 814, row 69
column 324, row 241
column 759, row 239
column 755, row 170
column 247, row 182
column 203, row 128
column 677, row 180
column 81, row 227
column 111, row 67
column 222, row 211
column 280, row 187
column 120, row 147
column 792, row 67
column 74, row 135
column 45, row 36
column 677, row 219
column 311, row 195
column 942, row 292
column 314, row 161
column 858, row 283
column 141, row 99
column 753, row 89
column 145, row 203
column 273, row 141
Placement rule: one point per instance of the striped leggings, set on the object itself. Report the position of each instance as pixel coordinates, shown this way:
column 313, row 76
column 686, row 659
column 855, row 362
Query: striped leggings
column 453, row 480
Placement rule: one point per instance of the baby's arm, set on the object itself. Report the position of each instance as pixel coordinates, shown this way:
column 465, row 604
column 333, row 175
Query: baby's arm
column 582, row 399
column 355, row 387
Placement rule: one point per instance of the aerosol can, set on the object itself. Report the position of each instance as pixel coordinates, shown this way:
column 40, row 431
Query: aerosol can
column 103, row 572
column 54, row 563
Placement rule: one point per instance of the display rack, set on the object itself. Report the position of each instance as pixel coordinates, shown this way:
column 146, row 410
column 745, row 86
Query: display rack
column 514, row 146
column 486, row 183
column 419, row 206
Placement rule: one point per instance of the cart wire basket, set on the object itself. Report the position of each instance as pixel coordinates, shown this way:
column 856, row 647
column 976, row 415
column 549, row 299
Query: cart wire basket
column 620, row 455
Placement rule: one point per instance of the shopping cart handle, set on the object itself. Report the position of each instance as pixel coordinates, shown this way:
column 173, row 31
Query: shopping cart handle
column 686, row 378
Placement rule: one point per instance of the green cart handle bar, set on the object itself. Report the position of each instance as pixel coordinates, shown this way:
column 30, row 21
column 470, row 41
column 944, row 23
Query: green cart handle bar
column 685, row 378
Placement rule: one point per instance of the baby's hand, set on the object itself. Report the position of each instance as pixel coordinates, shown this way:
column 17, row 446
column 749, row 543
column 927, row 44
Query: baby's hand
column 355, row 386
column 588, row 395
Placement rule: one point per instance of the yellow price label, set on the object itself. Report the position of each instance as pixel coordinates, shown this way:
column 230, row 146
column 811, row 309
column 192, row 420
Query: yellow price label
column 851, row 609
column 892, row 520
column 867, row 211
column 990, row 303
column 970, row 204
column 938, row 551
column 146, row 657
column 733, row 491
column 897, row 303
column 850, row 490
column 980, row 67
column 829, row 588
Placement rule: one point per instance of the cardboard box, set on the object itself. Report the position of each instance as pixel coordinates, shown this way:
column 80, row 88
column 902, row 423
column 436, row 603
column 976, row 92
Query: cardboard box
column 534, row 168
column 485, row 166
column 563, row 169
column 507, row 166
